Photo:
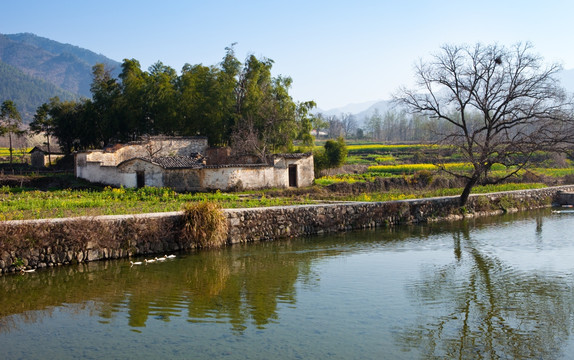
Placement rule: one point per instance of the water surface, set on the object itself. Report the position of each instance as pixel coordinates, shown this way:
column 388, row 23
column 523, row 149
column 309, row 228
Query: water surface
column 492, row 288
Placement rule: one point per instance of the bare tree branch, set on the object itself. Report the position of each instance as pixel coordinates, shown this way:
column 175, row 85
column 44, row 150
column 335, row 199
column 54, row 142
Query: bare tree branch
column 494, row 104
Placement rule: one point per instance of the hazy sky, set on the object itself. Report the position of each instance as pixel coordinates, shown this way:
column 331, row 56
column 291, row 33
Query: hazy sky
column 337, row 52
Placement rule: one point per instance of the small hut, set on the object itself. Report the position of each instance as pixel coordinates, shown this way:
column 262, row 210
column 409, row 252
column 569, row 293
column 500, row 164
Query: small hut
column 40, row 156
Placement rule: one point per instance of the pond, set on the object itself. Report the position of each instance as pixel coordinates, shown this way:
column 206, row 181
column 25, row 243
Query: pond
column 499, row 287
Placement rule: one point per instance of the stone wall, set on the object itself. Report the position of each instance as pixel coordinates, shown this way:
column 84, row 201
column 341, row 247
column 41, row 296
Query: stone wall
column 42, row 243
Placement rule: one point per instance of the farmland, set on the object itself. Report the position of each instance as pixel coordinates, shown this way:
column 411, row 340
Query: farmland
column 374, row 172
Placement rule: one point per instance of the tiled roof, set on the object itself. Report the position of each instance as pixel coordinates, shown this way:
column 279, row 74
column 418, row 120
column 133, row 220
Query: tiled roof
column 293, row 155
column 44, row 149
column 174, row 162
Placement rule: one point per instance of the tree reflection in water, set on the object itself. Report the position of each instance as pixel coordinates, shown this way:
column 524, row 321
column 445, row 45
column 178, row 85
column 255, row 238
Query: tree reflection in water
column 211, row 286
column 488, row 310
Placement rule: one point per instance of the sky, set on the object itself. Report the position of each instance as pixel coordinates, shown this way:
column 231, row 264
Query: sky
column 337, row 52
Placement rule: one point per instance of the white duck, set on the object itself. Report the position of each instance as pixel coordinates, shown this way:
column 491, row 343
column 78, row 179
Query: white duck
column 135, row 263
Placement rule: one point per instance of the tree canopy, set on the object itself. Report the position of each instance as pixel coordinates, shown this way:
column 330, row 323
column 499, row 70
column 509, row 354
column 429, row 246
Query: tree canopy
column 214, row 101
column 10, row 122
column 492, row 103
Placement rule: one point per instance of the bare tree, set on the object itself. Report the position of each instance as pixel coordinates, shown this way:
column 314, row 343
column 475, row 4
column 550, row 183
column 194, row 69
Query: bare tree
column 246, row 140
column 335, row 127
column 348, row 123
column 152, row 147
column 500, row 104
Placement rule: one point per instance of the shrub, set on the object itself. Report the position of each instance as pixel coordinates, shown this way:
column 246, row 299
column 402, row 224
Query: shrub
column 422, row 177
column 205, row 224
column 333, row 155
column 336, row 152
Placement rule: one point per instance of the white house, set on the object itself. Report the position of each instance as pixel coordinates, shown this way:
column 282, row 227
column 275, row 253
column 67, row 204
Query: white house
column 183, row 164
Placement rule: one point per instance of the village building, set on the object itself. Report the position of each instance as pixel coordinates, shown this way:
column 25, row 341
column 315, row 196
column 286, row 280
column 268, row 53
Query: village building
column 188, row 164
column 41, row 157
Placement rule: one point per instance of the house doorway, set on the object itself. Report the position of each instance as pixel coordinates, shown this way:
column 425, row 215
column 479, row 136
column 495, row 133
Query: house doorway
column 292, row 175
column 140, row 179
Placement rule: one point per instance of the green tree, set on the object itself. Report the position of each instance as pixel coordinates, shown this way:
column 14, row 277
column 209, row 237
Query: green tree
column 10, row 122
column 199, row 104
column 319, row 122
column 333, row 155
column 306, row 119
column 336, row 152
column 69, row 121
column 43, row 124
column 105, row 124
column 502, row 106
column 265, row 110
column 132, row 103
column 160, row 95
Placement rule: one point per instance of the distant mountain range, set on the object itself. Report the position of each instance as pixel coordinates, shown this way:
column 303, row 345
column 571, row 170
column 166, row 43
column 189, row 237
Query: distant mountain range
column 33, row 69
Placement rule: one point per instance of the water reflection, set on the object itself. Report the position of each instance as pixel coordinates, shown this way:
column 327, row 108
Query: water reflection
column 488, row 309
column 222, row 285
column 490, row 288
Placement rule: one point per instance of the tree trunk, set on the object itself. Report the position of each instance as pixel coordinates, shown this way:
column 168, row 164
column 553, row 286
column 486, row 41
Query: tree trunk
column 49, row 151
column 466, row 192
column 10, row 138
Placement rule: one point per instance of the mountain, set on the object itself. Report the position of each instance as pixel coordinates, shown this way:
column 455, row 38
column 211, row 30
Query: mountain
column 350, row 108
column 26, row 91
column 34, row 69
column 381, row 106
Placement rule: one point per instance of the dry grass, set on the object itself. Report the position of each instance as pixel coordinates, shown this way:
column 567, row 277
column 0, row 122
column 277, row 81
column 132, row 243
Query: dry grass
column 205, row 224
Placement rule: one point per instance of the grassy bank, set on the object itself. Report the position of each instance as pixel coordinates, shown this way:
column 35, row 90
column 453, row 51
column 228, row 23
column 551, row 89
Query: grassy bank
column 24, row 203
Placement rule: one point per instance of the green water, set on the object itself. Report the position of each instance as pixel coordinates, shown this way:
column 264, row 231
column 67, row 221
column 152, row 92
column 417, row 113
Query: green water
column 497, row 288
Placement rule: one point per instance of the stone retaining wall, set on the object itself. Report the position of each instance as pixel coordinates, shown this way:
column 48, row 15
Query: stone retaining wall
column 35, row 244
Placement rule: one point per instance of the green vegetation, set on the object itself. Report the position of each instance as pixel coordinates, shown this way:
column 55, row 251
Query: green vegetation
column 235, row 104
column 393, row 195
column 412, row 168
column 5, row 152
column 332, row 155
column 399, row 178
column 369, row 148
column 20, row 203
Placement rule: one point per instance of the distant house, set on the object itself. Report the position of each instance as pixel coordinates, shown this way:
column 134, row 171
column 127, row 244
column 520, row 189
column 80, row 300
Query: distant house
column 187, row 164
column 40, row 156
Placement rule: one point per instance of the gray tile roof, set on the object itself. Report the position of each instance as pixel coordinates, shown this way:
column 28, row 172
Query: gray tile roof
column 179, row 162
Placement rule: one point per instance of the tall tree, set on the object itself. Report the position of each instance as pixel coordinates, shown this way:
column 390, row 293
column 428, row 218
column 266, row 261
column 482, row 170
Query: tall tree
column 348, row 124
column 319, row 122
column 69, row 121
column 105, row 123
column 375, row 125
column 502, row 105
column 160, row 95
column 10, row 122
column 265, row 108
column 132, row 103
column 43, row 124
column 306, row 120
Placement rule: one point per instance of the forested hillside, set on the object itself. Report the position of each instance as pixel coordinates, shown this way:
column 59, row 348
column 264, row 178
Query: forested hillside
column 26, row 91
column 34, row 69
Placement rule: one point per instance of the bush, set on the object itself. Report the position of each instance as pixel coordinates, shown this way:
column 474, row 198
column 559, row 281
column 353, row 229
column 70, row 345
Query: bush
column 205, row 224
column 333, row 155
